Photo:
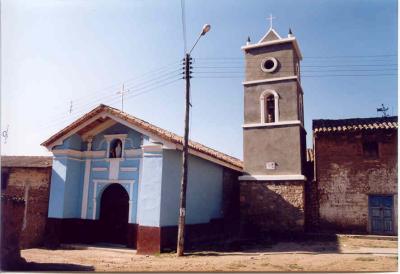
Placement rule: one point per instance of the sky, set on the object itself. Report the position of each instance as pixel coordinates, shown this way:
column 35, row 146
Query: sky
column 57, row 51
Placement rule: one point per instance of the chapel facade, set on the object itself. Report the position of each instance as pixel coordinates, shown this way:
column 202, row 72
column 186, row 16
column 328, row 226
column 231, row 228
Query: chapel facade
column 116, row 179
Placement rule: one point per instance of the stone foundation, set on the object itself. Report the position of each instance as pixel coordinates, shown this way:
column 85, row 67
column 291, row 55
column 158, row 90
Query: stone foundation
column 272, row 207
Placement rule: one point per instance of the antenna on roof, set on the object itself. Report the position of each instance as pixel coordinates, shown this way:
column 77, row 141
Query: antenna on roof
column 4, row 134
column 290, row 34
column 384, row 110
column 70, row 107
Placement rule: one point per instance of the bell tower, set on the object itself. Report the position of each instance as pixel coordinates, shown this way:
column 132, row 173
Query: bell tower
column 274, row 138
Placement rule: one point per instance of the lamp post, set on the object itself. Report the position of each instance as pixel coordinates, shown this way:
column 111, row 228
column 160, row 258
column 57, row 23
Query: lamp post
column 182, row 203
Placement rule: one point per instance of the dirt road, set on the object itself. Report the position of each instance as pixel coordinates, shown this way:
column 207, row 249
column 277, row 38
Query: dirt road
column 345, row 254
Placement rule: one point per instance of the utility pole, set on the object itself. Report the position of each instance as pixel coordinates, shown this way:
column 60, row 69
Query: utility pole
column 182, row 205
column 182, row 202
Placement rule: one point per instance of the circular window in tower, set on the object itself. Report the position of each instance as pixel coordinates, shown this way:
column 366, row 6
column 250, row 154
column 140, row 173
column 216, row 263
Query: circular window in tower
column 269, row 64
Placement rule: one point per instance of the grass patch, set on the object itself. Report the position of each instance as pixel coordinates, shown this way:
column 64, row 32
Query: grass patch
column 236, row 265
column 295, row 267
column 365, row 259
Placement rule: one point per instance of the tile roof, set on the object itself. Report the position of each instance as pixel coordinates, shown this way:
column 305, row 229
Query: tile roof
column 26, row 161
column 355, row 124
column 162, row 133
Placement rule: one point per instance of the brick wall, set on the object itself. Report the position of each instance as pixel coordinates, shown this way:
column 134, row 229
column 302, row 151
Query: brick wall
column 345, row 178
column 31, row 184
column 271, row 207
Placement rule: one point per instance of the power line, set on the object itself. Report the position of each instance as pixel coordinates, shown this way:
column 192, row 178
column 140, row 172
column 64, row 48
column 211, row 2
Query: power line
column 112, row 94
column 140, row 91
column 93, row 104
column 113, row 87
column 289, row 71
column 307, row 66
column 129, row 97
column 304, row 57
column 312, row 76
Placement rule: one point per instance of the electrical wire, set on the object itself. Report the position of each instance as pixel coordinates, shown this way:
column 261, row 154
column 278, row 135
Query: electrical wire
column 114, row 97
column 311, row 76
column 99, row 99
column 118, row 85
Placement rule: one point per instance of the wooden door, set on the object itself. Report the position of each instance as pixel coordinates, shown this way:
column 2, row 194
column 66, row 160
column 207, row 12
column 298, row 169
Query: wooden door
column 381, row 214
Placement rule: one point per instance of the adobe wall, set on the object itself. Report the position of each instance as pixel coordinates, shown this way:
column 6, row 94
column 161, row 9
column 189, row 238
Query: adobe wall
column 12, row 212
column 345, row 179
column 271, row 207
column 31, row 184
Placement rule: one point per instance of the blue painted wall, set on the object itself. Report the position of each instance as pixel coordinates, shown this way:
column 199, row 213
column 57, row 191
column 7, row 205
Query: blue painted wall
column 155, row 202
column 132, row 141
column 134, row 138
column 73, row 189
column 204, row 192
column 73, row 142
column 66, row 191
column 66, row 188
column 150, row 190
column 57, row 188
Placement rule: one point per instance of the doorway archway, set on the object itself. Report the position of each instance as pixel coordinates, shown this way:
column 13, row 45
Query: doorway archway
column 114, row 214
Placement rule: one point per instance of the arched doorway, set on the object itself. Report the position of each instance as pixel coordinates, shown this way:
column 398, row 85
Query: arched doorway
column 114, row 211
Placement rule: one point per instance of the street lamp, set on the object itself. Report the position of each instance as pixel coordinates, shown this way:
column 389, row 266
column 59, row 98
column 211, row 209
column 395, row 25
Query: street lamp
column 182, row 203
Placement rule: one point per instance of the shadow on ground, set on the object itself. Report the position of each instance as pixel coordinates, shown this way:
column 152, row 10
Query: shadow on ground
column 53, row 267
column 310, row 244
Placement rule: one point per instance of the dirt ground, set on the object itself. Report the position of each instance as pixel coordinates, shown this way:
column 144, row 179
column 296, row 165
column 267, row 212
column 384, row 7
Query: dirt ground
column 344, row 254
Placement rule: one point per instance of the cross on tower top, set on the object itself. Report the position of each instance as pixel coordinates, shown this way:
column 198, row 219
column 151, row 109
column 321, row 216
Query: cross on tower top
column 270, row 18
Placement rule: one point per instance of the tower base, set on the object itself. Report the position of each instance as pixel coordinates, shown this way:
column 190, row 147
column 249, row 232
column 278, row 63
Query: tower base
column 272, row 207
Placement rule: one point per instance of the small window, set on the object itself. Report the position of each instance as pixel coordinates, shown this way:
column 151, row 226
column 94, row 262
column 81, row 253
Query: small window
column 270, row 109
column 371, row 150
column 115, row 149
column 269, row 64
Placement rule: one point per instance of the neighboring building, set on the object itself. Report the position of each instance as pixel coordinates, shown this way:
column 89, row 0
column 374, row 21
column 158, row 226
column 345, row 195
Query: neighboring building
column 274, row 138
column 12, row 212
column 356, row 175
column 116, row 179
column 28, row 178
